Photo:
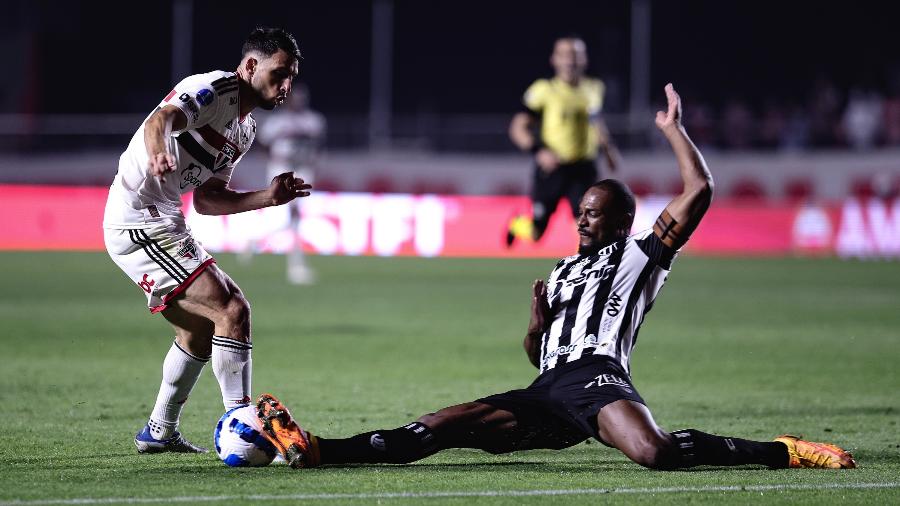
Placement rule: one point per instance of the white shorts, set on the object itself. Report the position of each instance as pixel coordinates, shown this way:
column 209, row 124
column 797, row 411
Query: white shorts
column 162, row 259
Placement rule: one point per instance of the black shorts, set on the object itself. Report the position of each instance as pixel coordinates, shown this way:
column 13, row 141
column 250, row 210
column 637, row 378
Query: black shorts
column 563, row 402
column 569, row 180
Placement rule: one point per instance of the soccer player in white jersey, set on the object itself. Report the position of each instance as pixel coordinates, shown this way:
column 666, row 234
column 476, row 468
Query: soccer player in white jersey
column 583, row 326
column 294, row 135
column 191, row 142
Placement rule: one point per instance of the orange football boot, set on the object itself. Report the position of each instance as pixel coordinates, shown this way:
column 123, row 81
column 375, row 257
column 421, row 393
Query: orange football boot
column 822, row 455
column 298, row 447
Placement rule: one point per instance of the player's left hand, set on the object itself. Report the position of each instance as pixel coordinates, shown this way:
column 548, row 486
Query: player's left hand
column 285, row 188
column 672, row 117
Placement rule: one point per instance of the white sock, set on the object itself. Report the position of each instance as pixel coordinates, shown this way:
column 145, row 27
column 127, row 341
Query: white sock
column 232, row 366
column 180, row 373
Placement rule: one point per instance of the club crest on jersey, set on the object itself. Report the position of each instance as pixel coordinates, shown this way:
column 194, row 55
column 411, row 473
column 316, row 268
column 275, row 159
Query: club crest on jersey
column 205, row 97
column 187, row 249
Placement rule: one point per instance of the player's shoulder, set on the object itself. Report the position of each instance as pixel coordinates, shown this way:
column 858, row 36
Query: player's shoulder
column 641, row 235
column 593, row 85
column 210, row 79
column 536, row 94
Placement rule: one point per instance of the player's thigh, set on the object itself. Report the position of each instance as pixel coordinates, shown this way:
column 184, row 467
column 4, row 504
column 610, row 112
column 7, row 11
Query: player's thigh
column 630, row 427
column 496, row 430
column 214, row 296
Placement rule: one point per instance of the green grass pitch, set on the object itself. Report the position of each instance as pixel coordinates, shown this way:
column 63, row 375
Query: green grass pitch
column 739, row 347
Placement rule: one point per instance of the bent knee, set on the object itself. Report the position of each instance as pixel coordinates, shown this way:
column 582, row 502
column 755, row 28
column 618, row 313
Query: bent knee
column 652, row 453
column 236, row 316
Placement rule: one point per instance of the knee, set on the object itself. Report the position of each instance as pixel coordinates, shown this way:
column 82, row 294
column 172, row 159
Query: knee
column 653, row 452
column 237, row 315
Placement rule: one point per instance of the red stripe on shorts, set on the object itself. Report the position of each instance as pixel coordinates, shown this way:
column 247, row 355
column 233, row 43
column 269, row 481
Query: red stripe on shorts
column 183, row 286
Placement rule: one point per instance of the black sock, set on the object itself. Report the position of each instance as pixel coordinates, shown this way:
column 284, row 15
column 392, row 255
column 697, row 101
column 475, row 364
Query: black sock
column 397, row 446
column 697, row 448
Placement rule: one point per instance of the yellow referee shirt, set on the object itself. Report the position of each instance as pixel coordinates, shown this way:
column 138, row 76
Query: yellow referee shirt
column 566, row 113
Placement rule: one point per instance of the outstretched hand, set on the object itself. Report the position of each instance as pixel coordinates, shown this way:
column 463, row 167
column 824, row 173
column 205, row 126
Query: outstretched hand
column 672, row 117
column 540, row 310
column 285, row 188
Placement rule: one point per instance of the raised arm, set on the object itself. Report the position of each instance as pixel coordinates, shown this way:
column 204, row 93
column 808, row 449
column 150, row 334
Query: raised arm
column 679, row 219
column 157, row 128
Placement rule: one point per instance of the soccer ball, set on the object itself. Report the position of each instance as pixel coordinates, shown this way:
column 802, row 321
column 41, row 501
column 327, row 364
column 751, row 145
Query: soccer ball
column 239, row 439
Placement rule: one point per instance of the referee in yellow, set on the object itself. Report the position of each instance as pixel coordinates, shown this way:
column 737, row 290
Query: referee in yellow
column 560, row 125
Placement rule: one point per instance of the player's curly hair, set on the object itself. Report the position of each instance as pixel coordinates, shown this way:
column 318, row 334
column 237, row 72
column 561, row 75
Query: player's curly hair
column 267, row 41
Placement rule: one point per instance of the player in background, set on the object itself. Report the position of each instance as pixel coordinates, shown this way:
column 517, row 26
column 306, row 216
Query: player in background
column 582, row 331
column 192, row 142
column 295, row 136
column 560, row 125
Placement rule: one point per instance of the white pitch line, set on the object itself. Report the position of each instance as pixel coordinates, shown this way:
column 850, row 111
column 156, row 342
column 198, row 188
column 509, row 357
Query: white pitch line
column 451, row 494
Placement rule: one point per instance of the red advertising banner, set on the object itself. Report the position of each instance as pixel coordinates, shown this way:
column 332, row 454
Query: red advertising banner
column 69, row 218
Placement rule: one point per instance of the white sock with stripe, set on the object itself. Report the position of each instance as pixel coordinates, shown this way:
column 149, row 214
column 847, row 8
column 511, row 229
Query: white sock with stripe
column 180, row 373
column 232, row 366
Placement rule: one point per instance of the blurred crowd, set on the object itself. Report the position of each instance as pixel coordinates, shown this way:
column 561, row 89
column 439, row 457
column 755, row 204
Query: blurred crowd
column 862, row 118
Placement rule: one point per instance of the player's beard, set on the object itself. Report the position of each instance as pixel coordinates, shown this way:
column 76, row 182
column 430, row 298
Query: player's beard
column 588, row 249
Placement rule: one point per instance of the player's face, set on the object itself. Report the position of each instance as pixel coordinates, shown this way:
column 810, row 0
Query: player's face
column 569, row 59
column 598, row 220
column 272, row 79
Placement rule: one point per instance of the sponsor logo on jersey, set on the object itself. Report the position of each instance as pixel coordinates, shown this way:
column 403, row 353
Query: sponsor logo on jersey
column 170, row 95
column 191, row 175
column 232, row 100
column 191, row 105
column 205, row 97
column 614, row 303
column 610, row 380
column 601, row 274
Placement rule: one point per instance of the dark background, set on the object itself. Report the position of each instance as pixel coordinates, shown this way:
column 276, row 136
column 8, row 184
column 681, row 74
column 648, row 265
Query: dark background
column 456, row 55
column 451, row 57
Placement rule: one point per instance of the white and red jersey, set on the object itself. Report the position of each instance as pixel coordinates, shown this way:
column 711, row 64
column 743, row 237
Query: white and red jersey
column 213, row 141
column 295, row 140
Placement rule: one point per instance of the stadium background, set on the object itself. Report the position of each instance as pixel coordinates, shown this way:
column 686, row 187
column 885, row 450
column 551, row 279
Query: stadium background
column 796, row 106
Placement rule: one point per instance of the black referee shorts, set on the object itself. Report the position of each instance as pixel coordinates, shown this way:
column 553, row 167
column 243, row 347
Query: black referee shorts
column 563, row 402
column 569, row 180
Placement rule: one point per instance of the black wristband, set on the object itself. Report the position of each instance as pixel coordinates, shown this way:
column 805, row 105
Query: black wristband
column 537, row 146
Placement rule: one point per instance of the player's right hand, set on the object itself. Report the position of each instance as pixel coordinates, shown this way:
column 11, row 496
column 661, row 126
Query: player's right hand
column 546, row 160
column 540, row 310
column 160, row 164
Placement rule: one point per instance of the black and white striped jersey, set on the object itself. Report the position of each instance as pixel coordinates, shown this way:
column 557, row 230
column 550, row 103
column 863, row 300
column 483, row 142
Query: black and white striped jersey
column 598, row 302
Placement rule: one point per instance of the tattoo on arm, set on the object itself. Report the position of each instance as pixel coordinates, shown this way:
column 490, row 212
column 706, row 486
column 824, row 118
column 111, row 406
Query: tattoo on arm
column 669, row 230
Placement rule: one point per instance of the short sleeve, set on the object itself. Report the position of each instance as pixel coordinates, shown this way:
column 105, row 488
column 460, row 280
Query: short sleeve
column 595, row 97
column 536, row 95
column 197, row 99
column 657, row 251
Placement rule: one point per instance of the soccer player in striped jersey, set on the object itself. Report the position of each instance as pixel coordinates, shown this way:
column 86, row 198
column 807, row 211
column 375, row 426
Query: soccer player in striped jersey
column 192, row 141
column 583, row 327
